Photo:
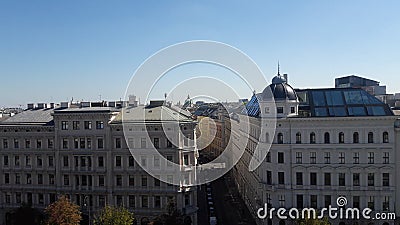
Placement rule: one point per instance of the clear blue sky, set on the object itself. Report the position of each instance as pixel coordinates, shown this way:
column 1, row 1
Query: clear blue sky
column 55, row 50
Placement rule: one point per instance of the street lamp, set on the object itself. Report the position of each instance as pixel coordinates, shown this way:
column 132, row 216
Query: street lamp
column 86, row 203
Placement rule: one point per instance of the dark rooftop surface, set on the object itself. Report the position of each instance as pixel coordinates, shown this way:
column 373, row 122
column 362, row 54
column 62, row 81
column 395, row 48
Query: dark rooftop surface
column 31, row 116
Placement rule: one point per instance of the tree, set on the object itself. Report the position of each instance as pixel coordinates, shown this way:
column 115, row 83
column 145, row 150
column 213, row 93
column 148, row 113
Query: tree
column 63, row 212
column 110, row 215
column 311, row 221
column 173, row 217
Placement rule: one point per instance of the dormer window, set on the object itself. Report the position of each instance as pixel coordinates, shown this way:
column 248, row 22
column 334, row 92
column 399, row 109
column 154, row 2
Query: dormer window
column 279, row 109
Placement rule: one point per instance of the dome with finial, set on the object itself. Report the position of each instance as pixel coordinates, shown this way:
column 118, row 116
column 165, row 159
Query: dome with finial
column 280, row 89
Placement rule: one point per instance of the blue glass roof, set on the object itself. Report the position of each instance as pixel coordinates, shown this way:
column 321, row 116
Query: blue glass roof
column 339, row 102
column 252, row 108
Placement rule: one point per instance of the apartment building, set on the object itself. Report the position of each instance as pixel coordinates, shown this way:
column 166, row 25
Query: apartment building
column 80, row 150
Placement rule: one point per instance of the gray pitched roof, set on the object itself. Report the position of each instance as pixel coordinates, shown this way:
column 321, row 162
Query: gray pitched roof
column 32, row 116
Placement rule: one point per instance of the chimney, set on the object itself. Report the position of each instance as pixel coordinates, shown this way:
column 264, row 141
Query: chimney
column 41, row 105
column 286, row 77
column 52, row 105
column 31, row 106
column 64, row 104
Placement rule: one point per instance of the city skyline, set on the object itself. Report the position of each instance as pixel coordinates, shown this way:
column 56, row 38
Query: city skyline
column 83, row 50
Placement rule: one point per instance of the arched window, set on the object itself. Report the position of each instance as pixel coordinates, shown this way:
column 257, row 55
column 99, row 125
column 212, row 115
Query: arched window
column 267, row 137
column 356, row 137
column 312, row 138
column 341, row 137
column 327, row 138
column 370, row 137
column 298, row 138
column 385, row 137
column 280, row 138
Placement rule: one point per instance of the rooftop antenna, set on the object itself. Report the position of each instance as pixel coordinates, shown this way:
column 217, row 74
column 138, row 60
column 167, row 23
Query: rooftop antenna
column 278, row 69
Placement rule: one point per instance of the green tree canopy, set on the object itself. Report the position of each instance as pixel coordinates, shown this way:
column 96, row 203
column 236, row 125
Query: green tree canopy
column 110, row 215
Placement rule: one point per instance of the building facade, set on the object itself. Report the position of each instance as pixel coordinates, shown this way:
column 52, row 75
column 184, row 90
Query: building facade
column 80, row 151
column 328, row 143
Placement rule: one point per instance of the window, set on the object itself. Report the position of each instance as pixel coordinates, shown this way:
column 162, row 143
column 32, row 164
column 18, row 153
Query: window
column 370, row 158
column 8, row 198
column 169, row 144
column 386, row 158
column 119, row 180
column 82, row 143
column 144, row 181
column 299, row 157
column 327, row 138
column 5, row 143
column 281, row 177
column 18, row 197
column 76, row 143
column 281, row 200
column 16, row 160
column 298, row 138
column 385, row 204
column 64, row 125
column 131, row 181
column 102, row 201
column 101, row 180
column 327, row 200
column 385, row 179
column 279, row 109
column 280, row 138
column 370, row 137
column 99, row 125
column 157, row 201
column 299, row 178
column 157, row 161
column 341, row 137
column 75, row 125
column 313, row 178
column 27, row 143
column 145, row 201
column 16, row 143
column 51, row 161
column 87, row 125
column 187, row 199
column 50, row 143
column 51, row 179
column 6, row 178
column 143, row 143
column 356, row 202
column 327, row 157
column 371, row 202
column 292, row 109
column 100, row 143
column 281, row 157
column 341, row 158
column 327, row 179
column 385, row 137
column 299, row 200
column 38, row 144
column 65, row 143
column 119, row 200
column 356, row 137
column 356, row 179
column 131, row 201
column 66, row 180
column 117, row 142
column 269, row 177
column 314, row 200
column 65, row 161
column 156, row 142
column 17, row 178
column 356, row 158
column 118, row 161
column 268, row 157
column 89, row 143
column 312, row 138
column 40, row 178
column 157, row 182
column 342, row 179
column 5, row 160
column 371, row 179
column 313, row 157
column 267, row 138
column 131, row 162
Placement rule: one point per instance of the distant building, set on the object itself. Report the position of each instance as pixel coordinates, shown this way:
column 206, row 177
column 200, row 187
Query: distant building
column 352, row 81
